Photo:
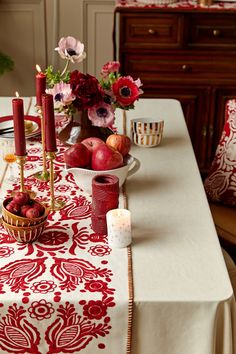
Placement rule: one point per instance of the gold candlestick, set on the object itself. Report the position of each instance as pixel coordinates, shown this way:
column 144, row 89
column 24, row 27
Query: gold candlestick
column 42, row 175
column 54, row 204
column 21, row 162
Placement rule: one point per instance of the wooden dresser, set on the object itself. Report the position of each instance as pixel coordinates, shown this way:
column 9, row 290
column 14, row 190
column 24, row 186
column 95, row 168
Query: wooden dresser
column 186, row 53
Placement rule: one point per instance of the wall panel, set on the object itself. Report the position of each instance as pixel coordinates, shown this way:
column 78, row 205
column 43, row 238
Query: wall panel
column 97, row 33
column 22, row 36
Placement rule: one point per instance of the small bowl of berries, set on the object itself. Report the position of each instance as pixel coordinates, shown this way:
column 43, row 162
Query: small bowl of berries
column 23, row 218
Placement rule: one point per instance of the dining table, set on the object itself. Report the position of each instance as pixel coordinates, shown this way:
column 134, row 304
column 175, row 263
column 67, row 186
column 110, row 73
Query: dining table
column 169, row 292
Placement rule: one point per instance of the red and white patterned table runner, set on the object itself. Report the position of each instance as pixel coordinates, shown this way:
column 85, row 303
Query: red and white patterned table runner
column 185, row 4
column 68, row 291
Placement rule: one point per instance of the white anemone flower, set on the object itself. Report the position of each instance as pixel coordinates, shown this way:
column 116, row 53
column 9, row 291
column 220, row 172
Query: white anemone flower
column 62, row 94
column 71, row 49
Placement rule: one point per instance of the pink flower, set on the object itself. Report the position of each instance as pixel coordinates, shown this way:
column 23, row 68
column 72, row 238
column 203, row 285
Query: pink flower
column 126, row 91
column 110, row 67
column 62, row 94
column 71, row 49
column 101, row 115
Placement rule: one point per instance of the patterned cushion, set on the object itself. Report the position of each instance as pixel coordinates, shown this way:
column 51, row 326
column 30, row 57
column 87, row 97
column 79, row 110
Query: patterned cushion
column 220, row 184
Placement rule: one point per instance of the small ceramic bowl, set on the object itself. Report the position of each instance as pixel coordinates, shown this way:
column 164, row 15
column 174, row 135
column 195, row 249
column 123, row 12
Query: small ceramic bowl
column 147, row 126
column 83, row 177
column 147, row 140
column 24, row 234
column 17, row 220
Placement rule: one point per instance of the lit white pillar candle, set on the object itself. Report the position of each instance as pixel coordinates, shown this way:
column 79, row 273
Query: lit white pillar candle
column 119, row 227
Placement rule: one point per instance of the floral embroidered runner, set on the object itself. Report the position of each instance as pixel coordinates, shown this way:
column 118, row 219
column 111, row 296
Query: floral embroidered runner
column 188, row 4
column 68, row 291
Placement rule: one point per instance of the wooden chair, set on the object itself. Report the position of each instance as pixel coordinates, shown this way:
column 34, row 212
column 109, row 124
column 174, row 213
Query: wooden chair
column 224, row 169
column 231, row 267
column 225, row 222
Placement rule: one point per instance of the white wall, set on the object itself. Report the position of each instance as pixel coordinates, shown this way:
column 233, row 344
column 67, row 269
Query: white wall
column 30, row 30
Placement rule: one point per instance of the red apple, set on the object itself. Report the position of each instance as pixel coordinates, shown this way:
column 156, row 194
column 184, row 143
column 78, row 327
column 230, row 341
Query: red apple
column 32, row 213
column 92, row 142
column 38, row 206
column 24, row 209
column 104, row 158
column 120, row 142
column 78, row 155
column 13, row 207
column 21, row 198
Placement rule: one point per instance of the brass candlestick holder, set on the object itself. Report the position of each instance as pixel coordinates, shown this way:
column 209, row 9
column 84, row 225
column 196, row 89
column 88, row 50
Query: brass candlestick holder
column 21, row 162
column 54, row 204
column 42, row 175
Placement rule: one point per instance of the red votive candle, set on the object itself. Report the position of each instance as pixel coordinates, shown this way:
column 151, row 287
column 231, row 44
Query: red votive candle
column 49, row 123
column 19, row 126
column 105, row 196
column 40, row 87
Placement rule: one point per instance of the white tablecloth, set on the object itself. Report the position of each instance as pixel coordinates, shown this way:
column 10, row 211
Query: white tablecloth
column 183, row 299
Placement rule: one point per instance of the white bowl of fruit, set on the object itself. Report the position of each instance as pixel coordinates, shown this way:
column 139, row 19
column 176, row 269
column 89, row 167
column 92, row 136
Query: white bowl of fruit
column 93, row 156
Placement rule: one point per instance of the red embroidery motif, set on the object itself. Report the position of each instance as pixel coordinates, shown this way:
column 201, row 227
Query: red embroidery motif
column 100, row 250
column 95, row 309
column 41, row 310
column 80, row 238
column 98, row 286
column 71, row 272
column 19, row 273
column 6, row 251
column 43, row 286
column 80, row 208
column 70, row 332
column 17, row 335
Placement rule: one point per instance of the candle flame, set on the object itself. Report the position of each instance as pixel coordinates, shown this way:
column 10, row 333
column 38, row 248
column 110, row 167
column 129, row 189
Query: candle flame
column 17, row 94
column 38, row 68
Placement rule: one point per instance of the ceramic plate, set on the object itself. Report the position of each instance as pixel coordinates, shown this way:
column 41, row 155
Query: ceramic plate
column 7, row 121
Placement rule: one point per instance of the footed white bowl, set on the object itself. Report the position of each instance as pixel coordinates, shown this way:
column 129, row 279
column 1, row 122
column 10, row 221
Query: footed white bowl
column 83, row 177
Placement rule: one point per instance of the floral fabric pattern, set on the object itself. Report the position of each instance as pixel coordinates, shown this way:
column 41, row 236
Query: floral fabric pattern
column 59, row 293
column 220, row 184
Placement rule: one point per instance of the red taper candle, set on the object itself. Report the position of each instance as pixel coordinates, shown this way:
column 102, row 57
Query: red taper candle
column 49, row 122
column 19, row 126
column 40, row 86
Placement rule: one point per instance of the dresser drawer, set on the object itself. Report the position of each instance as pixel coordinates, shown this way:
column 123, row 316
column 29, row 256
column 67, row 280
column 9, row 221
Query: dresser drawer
column 171, row 67
column 212, row 31
column 152, row 31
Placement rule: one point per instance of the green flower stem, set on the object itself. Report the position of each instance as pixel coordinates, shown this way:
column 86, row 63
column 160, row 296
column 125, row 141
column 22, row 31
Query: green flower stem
column 65, row 68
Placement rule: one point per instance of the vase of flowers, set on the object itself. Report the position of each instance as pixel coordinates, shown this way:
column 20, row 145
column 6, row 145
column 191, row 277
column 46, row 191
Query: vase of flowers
column 90, row 103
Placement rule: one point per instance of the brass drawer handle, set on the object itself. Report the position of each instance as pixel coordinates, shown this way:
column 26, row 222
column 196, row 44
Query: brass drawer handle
column 151, row 31
column 211, row 131
column 216, row 33
column 186, row 67
column 204, row 131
